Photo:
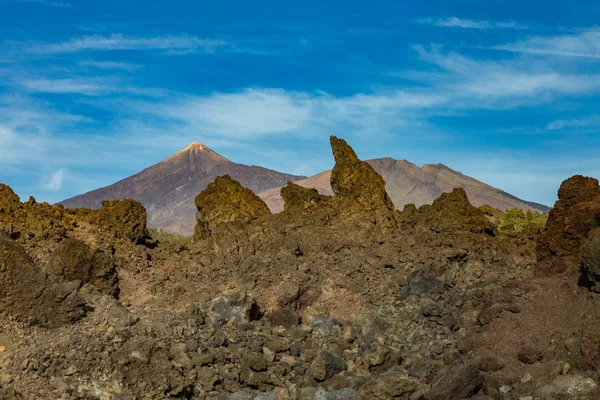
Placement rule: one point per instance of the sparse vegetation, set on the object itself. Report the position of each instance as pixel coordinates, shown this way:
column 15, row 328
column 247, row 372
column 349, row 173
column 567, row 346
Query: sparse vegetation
column 168, row 237
column 518, row 220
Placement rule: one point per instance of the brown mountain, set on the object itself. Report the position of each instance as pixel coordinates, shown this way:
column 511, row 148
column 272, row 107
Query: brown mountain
column 168, row 189
column 407, row 183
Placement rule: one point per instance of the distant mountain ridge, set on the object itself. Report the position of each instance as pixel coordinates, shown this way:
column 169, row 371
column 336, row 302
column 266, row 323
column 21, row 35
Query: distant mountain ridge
column 408, row 183
column 168, row 189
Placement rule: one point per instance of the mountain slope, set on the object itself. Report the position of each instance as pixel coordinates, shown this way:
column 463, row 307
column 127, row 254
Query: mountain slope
column 407, row 183
column 168, row 189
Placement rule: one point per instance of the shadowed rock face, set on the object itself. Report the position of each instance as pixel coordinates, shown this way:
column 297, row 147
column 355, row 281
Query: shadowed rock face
column 26, row 294
column 74, row 261
column 226, row 201
column 590, row 259
column 574, row 216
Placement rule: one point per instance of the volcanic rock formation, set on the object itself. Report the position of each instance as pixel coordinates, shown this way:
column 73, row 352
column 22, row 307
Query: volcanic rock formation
column 574, row 216
column 353, row 180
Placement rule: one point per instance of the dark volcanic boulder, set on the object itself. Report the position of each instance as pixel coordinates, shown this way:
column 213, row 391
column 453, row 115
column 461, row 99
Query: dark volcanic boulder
column 459, row 383
column 574, row 216
column 326, row 366
column 73, row 260
column 124, row 219
column 226, row 202
column 25, row 293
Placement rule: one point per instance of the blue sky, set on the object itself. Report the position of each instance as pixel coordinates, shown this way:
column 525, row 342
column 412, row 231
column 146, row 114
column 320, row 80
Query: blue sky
column 94, row 91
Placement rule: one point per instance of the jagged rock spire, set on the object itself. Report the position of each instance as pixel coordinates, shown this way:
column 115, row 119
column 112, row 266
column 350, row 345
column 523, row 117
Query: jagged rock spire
column 355, row 180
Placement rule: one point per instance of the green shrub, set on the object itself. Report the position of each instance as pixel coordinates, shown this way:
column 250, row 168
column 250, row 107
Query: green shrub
column 519, row 220
column 167, row 237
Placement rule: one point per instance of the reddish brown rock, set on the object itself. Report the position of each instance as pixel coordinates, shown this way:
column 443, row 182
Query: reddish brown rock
column 574, row 216
column 285, row 317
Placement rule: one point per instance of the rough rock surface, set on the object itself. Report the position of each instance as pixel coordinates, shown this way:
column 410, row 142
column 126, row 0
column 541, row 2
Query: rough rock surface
column 26, row 294
column 355, row 180
column 298, row 198
column 225, row 201
column 449, row 213
column 590, row 259
column 31, row 220
column 73, row 260
column 9, row 201
column 575, row 214
column 459, row 383
column 125, row 219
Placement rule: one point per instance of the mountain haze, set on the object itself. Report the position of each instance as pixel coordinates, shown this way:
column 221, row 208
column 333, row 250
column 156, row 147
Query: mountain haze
column 408, row 183
column 168, row 189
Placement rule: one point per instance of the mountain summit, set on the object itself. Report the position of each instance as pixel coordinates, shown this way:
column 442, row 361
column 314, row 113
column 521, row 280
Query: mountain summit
column 168, row 189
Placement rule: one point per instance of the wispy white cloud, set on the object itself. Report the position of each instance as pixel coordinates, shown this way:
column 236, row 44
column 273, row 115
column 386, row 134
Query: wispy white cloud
column 109, row 65
column 259, row 112
column 454, row 22
column 585, row 43
column 169, row 44
column 92, row 87
column 44, row 2
column 454, row 83
column 472, row 83
column 55, row 182
column 88, row 86
column 585, row 122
